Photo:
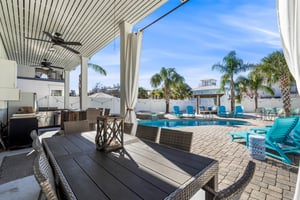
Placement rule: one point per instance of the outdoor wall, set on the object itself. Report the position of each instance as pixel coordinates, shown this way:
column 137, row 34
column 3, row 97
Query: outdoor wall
column 249, row 106
column 157, row 105
column 40, row 87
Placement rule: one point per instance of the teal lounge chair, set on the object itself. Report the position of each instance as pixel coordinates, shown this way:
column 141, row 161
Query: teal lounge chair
column 177, row 111
column 239, row 111
column 222, row 111
column 275, row 138
column 190, row 111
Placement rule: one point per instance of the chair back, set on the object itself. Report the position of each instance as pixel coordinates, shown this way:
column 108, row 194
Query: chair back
column 91, row 116
column 239, row 109
column 106, row 111
column 281, row 128
column 36, row 144
column 176, row 109
column 44, row 176
column 147, row 132
column 128, row 127
column 176, row 139
column 235, row 190
column 190, row 110
column 71, row 127
column 221, row 110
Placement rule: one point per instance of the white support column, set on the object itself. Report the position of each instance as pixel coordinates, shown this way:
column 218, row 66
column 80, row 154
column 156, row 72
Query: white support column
column 84, row 83
column 66, row 90
column 125, row 29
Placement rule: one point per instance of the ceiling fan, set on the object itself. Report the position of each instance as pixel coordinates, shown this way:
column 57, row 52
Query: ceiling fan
column 46, row 65
column 57, row 40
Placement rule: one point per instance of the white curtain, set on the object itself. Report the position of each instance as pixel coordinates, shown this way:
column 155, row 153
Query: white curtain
column 132, row 66
column 289, row 28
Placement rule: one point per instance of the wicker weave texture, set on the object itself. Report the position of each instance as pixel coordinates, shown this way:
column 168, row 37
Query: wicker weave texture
column 71, row 127
column 234, row 191
column 147, row 132
column 176, row 139
column 44, row 176
column 128, row 127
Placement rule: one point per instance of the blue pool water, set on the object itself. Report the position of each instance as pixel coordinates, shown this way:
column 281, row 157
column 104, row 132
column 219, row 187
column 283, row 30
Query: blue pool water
column 169, row 123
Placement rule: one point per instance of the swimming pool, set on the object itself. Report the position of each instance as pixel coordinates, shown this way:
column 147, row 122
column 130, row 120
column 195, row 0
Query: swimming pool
column 177, row 123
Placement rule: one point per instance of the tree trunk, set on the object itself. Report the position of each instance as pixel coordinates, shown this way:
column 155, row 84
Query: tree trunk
column 285, row 93
column 232, row 94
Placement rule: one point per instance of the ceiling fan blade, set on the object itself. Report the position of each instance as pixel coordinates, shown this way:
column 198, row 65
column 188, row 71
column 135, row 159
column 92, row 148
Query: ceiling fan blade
column 73, row 43
column 37, row 39
column 48, row 34
column 56, row 67
column 70, row 49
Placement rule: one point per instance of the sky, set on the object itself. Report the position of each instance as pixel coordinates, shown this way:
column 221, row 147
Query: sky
column 192, row 39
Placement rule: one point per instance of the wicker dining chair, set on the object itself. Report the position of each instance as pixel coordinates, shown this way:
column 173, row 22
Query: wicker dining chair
column 147, row 132
column 106, row 111
column 45, row 177
column 36, row 143
column 71, row 127
column 234, row 191
column 128, row 127
column 176, row 139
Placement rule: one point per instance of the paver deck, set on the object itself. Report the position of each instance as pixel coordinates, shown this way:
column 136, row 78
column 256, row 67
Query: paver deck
column 273, row 179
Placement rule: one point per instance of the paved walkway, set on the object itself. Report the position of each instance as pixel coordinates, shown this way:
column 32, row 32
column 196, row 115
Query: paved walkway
column 272, row 179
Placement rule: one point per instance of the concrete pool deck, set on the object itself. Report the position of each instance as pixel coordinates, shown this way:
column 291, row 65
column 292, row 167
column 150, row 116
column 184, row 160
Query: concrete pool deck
column 273, row 179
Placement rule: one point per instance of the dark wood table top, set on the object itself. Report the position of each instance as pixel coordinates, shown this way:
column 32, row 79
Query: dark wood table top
column 141, row 170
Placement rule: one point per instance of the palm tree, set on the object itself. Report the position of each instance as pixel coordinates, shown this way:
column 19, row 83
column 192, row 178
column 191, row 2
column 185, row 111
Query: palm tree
column 168, row 78
column 275, row 69
column 231, row 66
column 251, row 84
column 96, row 68
column 182, row 91
column 143, row 93
column 157, row 94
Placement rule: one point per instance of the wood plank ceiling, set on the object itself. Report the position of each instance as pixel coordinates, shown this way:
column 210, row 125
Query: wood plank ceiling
column 94, row 23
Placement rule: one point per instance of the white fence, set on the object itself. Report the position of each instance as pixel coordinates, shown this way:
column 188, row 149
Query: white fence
column 159, row 105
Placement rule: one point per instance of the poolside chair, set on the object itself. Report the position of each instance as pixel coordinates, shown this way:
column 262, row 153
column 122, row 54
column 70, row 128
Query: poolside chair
column 177, row 111
column 147, row 132
column 235, row 190
column 221, row 112
column 275, row 138
column 71, row 127
column 190, row 111
column 177, row 139
column 128, row 127
column 239, row 111
column 45, row 177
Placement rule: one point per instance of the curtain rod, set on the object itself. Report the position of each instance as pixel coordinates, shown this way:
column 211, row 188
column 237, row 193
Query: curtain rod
column 183, row 2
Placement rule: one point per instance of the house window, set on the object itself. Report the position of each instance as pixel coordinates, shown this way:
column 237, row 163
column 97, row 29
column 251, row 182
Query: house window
column 56, row 92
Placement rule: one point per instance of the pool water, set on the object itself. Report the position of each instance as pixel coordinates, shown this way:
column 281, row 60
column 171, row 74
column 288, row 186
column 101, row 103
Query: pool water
column 170, row 123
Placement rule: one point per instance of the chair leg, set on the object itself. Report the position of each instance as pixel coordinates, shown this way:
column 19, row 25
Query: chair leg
column 283, row 157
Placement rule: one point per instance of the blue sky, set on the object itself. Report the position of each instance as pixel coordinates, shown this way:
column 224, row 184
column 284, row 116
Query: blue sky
column 193, row 38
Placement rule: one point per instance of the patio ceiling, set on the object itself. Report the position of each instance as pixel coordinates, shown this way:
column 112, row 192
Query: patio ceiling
column 92, row 23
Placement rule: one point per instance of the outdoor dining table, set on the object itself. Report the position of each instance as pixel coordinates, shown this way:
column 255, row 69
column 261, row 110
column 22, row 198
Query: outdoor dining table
column 140, row 170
